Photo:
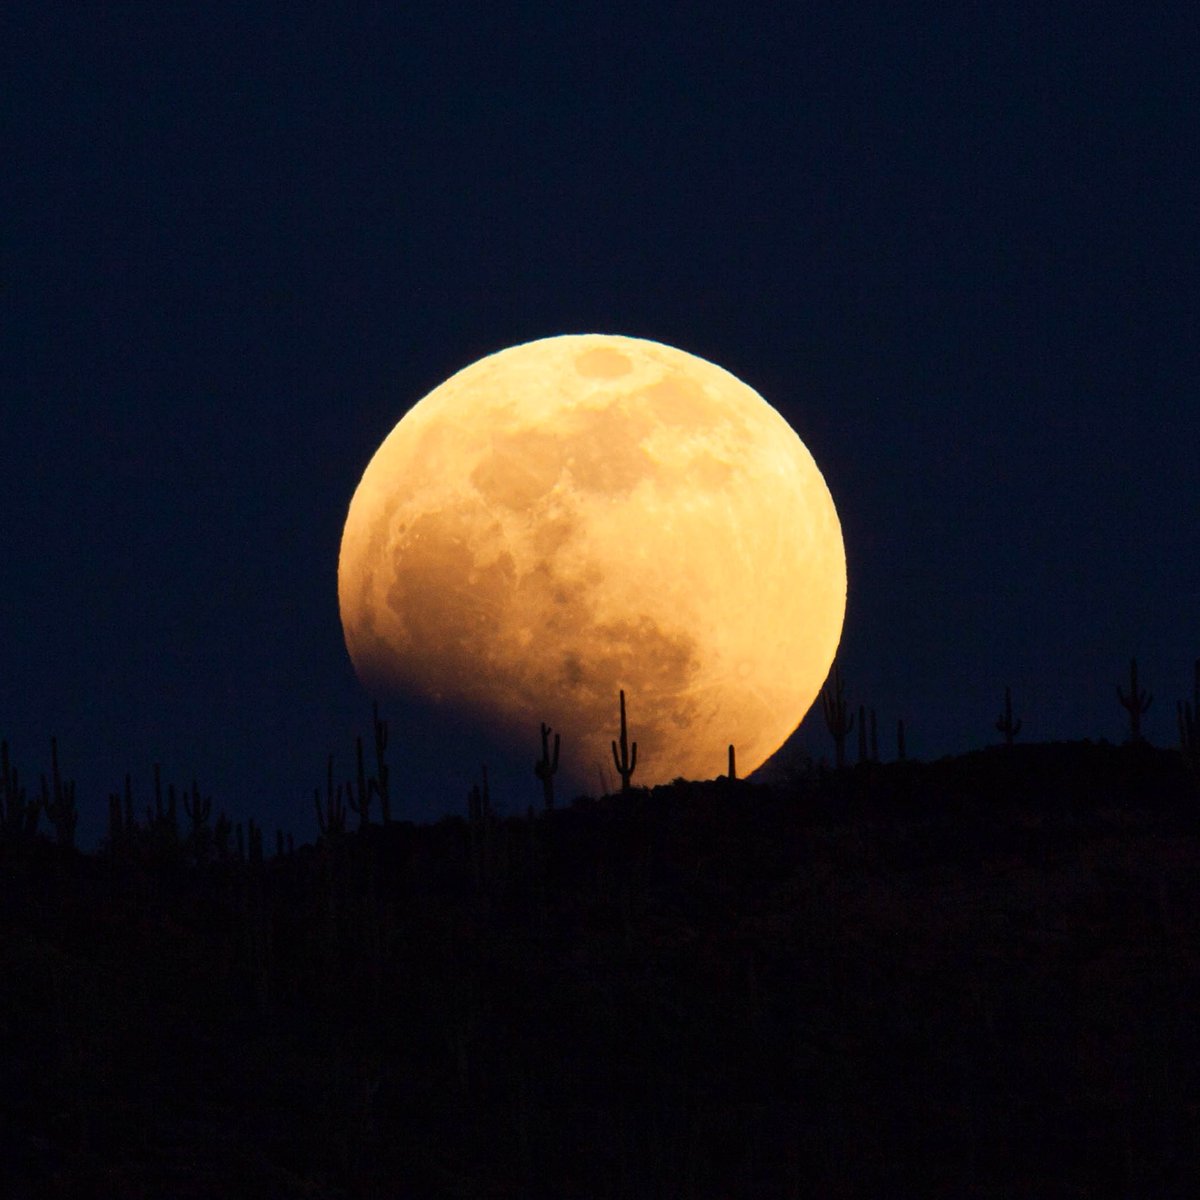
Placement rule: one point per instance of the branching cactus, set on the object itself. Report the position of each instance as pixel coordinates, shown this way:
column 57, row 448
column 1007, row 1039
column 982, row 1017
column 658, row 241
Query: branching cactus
column 1005, row 723
column 18, row 818
column 59, row 802
column 547, row 765
column 833, row 705
column 1136, row 703
column 331, row 817
column 626, row 761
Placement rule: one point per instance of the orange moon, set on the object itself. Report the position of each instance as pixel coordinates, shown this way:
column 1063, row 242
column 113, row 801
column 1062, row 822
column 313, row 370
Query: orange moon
column 588, row 513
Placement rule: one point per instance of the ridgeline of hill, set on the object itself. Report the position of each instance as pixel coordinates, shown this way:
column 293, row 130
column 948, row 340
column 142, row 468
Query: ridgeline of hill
column 972, row 977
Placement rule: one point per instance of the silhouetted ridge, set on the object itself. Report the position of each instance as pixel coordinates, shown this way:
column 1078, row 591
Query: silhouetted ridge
column 854, row 984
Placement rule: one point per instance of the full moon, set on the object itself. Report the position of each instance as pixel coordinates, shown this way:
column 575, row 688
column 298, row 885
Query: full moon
column 585, row 514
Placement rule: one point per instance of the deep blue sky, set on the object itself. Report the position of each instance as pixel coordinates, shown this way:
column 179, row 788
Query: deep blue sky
column 958, row 251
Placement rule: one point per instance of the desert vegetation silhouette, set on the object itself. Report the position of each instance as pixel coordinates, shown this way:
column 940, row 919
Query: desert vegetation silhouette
column 867, row 978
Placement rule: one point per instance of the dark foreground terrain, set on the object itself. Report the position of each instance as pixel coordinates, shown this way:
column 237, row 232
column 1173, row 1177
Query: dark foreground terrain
column 977, row 977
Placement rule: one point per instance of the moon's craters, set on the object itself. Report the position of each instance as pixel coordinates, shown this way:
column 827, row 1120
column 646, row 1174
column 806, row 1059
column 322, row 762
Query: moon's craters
column 583, row 514
column 601, row 451
column 445, row 587
column 602, row 362
column 519, row 468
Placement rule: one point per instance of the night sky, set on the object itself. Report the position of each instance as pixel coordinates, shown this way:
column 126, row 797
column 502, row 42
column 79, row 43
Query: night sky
column 958, row 251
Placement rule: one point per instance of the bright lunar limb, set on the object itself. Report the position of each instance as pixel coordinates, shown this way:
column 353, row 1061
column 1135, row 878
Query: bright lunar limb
column 588, row 513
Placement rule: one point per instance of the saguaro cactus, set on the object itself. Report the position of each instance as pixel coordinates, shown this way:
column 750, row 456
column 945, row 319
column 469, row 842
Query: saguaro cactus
column 198, row 810
column 479, row 800
column 380, row 782
column 1005, row 723
column 164, row 819
column 732, row 772
column 121, row 825
column 256, row 842
column 60, row 803
column 545, row 767
column 1135, row 703
column 18, row 819
column 331, row 817
column 833, row 705
column 360, row 797
column 1188, row 716
column 626, row 762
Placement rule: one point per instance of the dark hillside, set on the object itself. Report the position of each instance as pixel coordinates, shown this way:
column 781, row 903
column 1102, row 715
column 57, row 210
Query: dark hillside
column 972, row 977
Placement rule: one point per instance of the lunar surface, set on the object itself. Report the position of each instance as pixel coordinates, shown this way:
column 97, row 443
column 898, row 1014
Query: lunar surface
column 588, row 513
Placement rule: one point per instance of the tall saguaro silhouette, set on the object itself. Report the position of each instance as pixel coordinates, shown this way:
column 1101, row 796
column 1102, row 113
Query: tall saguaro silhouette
column 545, row 767
column 833, row 705
column 1005, row 723
column 626, row 762
column 1136, row 703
